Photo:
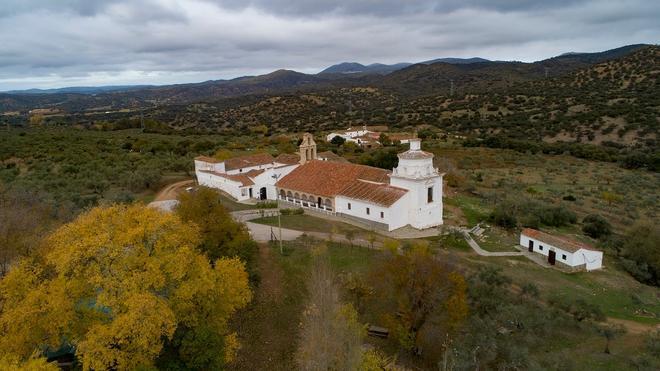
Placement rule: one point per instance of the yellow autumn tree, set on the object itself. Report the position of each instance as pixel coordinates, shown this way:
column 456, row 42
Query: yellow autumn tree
column 126, row 287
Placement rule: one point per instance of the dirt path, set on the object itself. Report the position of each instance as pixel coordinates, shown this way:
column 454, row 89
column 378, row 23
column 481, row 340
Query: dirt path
column 171, row 191
column 633, row 327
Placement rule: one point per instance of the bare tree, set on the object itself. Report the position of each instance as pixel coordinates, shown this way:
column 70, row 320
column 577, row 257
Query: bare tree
column 24, row 220
column 331, row 335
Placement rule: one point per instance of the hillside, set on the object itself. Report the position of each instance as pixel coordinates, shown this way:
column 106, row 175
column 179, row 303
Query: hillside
column 613, row 103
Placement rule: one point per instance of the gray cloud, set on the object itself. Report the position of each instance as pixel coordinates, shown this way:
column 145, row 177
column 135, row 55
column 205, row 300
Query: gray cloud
column 75, row 42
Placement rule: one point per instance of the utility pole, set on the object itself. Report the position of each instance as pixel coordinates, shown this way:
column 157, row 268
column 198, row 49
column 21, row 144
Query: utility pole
column 279, row 225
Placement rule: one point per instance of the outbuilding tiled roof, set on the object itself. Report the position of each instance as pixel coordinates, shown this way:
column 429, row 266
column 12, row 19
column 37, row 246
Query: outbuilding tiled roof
column 207, row 159
column 245, row 178
column 248, row 161
column 377, row 193
column 328, row 178
column 331, row 156
column 288, row 158
column 561, row 242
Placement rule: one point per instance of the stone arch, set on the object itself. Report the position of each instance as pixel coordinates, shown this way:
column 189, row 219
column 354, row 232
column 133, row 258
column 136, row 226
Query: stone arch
column 296, row 196
column 289, row 194
column 282, row 193
column 328, row 203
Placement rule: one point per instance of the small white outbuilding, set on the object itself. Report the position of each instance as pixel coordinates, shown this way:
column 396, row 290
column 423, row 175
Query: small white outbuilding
column 559, row 249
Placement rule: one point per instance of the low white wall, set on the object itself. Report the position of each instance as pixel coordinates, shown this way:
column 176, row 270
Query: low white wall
column 393, row 216
column 231, row 187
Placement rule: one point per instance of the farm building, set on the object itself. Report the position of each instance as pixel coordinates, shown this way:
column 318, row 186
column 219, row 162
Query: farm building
column 559, row 249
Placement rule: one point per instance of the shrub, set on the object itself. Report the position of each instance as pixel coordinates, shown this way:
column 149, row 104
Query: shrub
column 596, row 226
column 503, row 216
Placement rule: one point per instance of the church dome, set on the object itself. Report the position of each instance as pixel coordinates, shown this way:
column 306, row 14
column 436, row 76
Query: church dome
column 415, row 152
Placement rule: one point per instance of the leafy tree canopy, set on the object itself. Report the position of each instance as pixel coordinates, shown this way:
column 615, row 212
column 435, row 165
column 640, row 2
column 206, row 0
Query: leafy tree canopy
column 121, row 284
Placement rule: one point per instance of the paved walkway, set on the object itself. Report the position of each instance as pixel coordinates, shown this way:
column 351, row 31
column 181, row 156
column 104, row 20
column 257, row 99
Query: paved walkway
column 475, row 246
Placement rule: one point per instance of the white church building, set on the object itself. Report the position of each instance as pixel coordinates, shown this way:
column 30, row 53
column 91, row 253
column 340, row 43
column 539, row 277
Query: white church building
column 410, row 194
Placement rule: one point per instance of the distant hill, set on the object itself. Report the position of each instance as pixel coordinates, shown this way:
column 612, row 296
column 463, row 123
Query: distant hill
column 380, row 68
column 456, row 60
column 353, row 67
column 81, row 89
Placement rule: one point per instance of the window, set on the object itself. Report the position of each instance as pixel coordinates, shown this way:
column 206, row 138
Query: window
column 563, row 256
column 429, row 194
column 540, row 247
column 368, row 211
column 349, row 205
column 382, row 215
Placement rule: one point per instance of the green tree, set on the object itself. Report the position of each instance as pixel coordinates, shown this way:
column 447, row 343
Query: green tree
column 337, row 141
column 221, row 235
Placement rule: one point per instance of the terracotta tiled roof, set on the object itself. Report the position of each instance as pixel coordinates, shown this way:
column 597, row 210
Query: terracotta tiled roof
column 561, row 242
column 288, row 158
column 377, row 193
column 328, row 178
column 244, row 179
column 331, row 156
column 210, row 160
column 247, row 161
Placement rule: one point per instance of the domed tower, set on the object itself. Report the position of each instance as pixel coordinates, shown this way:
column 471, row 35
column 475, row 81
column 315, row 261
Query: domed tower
column 416, row 173
column 307, row 148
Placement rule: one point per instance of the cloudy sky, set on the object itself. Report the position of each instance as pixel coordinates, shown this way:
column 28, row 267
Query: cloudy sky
column 55, row 43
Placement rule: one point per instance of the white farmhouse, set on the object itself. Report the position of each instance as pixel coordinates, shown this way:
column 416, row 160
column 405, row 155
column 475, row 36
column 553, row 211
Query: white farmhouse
column 411, row 194
column 574, row 254
column 349, row 134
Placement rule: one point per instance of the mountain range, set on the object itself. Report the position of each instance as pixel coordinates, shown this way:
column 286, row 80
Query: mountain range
column 408, row 80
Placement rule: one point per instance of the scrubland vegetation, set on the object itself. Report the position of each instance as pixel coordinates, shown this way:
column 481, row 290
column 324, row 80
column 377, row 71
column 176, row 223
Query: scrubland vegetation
column 67, row 206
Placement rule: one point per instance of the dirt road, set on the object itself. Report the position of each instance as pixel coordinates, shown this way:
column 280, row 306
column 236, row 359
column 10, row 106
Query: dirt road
column 171, row 191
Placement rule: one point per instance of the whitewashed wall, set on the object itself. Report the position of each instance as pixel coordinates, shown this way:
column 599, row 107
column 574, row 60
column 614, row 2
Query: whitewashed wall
column 394, row 216
column 420, row 213
column 234, row 189
column 591, row 259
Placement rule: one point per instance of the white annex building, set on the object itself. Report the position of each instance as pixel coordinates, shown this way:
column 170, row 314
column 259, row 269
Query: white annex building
column 574, row 254
column 410, row 194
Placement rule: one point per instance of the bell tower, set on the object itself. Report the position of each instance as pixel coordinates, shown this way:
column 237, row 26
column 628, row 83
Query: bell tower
column 416, row 173
column 307, row 148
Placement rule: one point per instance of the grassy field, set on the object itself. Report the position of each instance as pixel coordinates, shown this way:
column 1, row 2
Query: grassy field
column 232, row 205
column 486, row 175
column 311, row 224
column 614, row 291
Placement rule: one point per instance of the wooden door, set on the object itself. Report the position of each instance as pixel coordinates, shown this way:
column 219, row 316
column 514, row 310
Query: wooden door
column 531, row 246
column 552, row 257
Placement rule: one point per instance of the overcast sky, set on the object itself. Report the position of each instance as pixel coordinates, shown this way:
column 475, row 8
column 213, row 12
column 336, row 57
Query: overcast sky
column 56, row 43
